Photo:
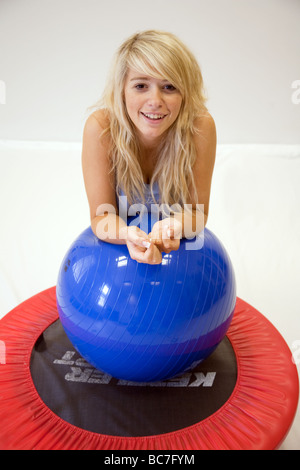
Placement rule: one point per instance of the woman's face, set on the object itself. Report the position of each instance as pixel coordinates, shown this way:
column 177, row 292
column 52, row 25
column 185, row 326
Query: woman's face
column 152, row 104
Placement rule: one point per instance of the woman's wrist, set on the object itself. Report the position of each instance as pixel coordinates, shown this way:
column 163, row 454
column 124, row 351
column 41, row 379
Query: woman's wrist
column 123, row 233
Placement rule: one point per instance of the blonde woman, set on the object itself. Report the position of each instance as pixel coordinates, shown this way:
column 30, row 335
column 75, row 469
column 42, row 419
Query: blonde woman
column 150, row 139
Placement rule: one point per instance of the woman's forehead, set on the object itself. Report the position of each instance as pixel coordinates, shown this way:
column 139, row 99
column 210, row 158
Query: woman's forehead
column 135, row 75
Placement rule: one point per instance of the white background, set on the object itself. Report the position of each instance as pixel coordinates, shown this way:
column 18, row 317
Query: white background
column 54, row 56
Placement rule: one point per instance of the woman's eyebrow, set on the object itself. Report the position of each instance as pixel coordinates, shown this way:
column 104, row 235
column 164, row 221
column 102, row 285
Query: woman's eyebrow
column 139, row 78
column 144, row 78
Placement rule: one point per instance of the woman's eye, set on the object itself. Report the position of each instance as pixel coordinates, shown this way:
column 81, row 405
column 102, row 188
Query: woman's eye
column 140, row 86
column 143, row 86
column 170, row 87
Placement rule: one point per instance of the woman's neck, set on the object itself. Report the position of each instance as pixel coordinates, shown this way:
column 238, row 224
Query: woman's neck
column 149, row 145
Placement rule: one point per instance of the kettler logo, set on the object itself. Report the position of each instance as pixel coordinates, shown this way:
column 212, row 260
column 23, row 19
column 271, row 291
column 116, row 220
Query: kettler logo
column 82, row 371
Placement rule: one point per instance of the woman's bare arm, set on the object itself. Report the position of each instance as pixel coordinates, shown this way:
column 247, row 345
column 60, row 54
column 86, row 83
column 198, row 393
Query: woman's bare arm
column 99, row 181
column 100, row 189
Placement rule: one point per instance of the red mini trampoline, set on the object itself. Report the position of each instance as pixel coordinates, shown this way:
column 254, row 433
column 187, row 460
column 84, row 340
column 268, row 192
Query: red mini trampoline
column 244, row 396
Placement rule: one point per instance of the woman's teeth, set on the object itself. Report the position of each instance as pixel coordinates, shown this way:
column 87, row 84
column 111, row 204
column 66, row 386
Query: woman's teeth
column 154, row 116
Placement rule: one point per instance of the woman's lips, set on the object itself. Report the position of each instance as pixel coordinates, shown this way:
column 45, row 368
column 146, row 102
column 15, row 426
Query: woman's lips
column 154, row 117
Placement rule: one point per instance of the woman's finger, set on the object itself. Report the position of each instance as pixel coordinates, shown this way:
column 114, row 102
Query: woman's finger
column 138, row 237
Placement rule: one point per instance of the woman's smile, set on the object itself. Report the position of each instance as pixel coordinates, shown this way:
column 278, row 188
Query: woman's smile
column 154, row 118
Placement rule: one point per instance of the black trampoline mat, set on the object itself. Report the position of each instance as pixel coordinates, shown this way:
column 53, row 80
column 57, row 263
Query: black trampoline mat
column 94, row 401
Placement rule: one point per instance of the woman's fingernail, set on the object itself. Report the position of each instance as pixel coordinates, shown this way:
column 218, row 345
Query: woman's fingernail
column 146, row 244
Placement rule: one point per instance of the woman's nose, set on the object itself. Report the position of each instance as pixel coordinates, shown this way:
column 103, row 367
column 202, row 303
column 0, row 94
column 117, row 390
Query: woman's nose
column 155, row 97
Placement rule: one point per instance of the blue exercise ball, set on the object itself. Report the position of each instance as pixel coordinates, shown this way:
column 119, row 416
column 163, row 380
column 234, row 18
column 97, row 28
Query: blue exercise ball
column 141, row 322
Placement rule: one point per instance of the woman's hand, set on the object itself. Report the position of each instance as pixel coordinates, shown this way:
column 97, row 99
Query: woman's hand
column 139, row 246
column 166, row 234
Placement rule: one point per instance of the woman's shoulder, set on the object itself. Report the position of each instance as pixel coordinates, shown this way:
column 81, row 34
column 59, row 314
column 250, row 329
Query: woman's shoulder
column 205, row 124
column 101, row 117
column 205, row 137
column 96, row 128
column 95, row 135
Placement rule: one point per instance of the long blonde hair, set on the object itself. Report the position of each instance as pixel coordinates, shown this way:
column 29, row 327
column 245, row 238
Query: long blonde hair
column 160, row 55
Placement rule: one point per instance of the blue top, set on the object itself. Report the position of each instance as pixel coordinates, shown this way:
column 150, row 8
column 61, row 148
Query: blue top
column 139, row 206
column 139, row 212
